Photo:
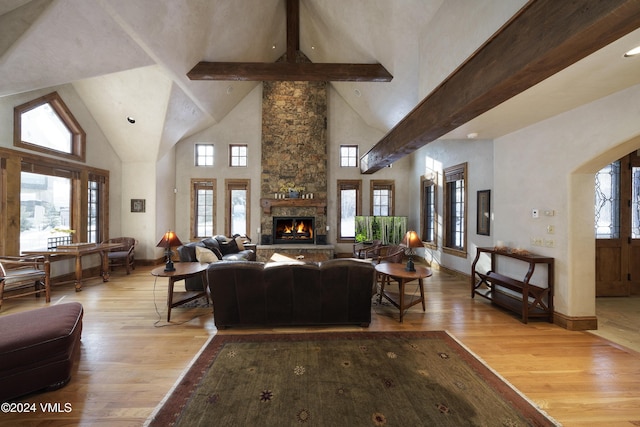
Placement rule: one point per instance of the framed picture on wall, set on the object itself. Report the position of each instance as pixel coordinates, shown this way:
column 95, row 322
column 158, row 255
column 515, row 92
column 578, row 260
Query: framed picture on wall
column 137, row 205
column 484, row 213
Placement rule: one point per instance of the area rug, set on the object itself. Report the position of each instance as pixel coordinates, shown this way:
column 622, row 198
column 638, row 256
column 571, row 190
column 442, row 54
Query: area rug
column 343, row 379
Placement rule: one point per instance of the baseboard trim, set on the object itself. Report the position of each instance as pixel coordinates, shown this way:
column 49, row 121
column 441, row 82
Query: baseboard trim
column 573, row 323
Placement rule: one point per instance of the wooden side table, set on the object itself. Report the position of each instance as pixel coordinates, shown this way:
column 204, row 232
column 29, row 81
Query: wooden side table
column 398, row 272
column 183, row 270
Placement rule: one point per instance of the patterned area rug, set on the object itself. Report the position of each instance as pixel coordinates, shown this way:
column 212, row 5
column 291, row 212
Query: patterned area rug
column 343, row 379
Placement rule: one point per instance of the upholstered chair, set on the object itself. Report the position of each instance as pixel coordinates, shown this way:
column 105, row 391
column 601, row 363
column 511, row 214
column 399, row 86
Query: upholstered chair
column 20, row 276
column 124, row 256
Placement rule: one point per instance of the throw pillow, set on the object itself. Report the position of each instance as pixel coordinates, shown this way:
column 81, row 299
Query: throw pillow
column 240, row 243
column 205, row 255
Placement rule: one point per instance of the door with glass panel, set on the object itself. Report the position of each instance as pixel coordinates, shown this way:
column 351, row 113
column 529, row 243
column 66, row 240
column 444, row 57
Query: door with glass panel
column 617, row 221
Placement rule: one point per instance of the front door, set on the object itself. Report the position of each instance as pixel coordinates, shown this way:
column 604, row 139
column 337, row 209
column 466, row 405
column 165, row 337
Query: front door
column 617, row 216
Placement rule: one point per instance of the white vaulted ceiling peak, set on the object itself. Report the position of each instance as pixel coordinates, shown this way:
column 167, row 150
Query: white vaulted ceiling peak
column 130, row 58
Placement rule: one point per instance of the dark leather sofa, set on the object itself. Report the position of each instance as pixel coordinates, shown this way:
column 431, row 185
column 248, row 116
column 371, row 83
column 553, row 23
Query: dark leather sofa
column 333, row 292
column 224, row 248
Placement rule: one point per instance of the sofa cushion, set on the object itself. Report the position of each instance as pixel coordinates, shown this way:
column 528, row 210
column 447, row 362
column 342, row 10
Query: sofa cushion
column 205, row 255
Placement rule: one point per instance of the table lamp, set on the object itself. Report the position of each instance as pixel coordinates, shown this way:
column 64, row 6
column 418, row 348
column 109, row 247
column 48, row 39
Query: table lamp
column 411, row 240
column 168, row 240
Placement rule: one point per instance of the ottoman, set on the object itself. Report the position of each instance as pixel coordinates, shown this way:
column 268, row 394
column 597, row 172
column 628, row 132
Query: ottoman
column 37, row 349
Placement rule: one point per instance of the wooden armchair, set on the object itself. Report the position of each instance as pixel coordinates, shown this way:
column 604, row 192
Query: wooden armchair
column 367, row 250
column 391, row 253
column 124, row 256
column 20, row 276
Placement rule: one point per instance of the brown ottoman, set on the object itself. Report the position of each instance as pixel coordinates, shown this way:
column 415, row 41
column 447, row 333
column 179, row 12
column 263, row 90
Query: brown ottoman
column 36, row 349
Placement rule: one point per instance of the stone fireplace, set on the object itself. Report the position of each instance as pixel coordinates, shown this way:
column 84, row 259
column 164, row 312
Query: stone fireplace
column 294, row 153
column 289, row 230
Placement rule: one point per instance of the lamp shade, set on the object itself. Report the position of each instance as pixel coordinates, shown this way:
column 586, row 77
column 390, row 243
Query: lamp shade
column 412, row 240
column 169, row 239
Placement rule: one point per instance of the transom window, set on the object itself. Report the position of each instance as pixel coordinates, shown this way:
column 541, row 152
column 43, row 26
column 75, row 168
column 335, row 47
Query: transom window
column 238, row 155
column 204, row 154
column 46, row 125
column 348, row 155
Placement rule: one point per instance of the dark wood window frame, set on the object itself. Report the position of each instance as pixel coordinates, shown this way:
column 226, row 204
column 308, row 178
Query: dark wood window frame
column 428, row 219
column 387, row 184
column 348, row 184
column 78, row 138
column 236, row 184
column 455, row 175
column 13, row 162
column 196, row 184
column 231, row 156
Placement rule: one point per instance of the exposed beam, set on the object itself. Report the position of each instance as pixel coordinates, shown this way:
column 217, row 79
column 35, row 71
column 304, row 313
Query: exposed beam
column 290, row 70
column 545, row 37
column 293, row 29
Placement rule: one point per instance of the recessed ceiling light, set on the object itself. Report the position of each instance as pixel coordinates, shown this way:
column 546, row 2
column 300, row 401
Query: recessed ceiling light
column 472, row 135
column 131, row 119
column 229, row 90
column 357, row 92
column 273, row 46
column 633, row 52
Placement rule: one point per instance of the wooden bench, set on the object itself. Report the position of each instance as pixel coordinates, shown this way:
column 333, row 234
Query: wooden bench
column 519, row 296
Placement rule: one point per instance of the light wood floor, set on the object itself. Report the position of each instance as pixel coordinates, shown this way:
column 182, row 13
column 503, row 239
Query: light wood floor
column 130, row 357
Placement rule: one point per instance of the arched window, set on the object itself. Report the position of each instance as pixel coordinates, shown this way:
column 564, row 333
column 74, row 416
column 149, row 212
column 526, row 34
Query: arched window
column 46, row 125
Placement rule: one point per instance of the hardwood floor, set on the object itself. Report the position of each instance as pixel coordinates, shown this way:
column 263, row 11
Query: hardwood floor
column 130, row 357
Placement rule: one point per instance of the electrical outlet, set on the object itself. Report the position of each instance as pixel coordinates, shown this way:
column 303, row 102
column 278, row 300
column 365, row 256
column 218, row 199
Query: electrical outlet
column 550, row 243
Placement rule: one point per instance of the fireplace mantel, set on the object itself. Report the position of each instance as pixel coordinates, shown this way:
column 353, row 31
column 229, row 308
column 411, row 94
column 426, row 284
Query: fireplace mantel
column 319, row 204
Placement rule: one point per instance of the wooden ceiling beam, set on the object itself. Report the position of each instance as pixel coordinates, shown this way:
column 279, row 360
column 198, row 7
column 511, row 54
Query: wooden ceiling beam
column 289, row 71
column 545, row 37
column 293, row 29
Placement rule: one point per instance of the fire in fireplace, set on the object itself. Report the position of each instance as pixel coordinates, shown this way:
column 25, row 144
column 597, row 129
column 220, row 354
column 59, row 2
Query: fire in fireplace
column 293, row 230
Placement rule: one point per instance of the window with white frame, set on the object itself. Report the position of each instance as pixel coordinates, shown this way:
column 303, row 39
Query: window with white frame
column 348, row 155
column 204, row 154
column 237, row 155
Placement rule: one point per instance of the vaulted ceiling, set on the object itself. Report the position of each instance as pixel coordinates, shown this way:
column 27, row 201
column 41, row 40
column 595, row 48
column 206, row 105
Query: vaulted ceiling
column 131, row 58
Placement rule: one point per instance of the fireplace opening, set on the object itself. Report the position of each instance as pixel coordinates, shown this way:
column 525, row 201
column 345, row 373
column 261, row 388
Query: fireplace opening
column 293, row 230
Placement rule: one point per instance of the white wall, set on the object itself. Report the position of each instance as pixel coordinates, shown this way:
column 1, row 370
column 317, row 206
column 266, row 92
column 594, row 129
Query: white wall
column 547, row 166
column 543, row 166
column 434, row 158
column 243, row 125
column 345, row 126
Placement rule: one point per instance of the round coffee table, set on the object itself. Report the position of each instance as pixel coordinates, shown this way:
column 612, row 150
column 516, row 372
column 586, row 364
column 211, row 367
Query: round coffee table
column 183, row 270
column 398, row 272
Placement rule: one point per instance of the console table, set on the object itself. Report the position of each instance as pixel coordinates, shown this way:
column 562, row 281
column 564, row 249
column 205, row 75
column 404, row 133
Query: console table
column 518, row 295
column 78, row 250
